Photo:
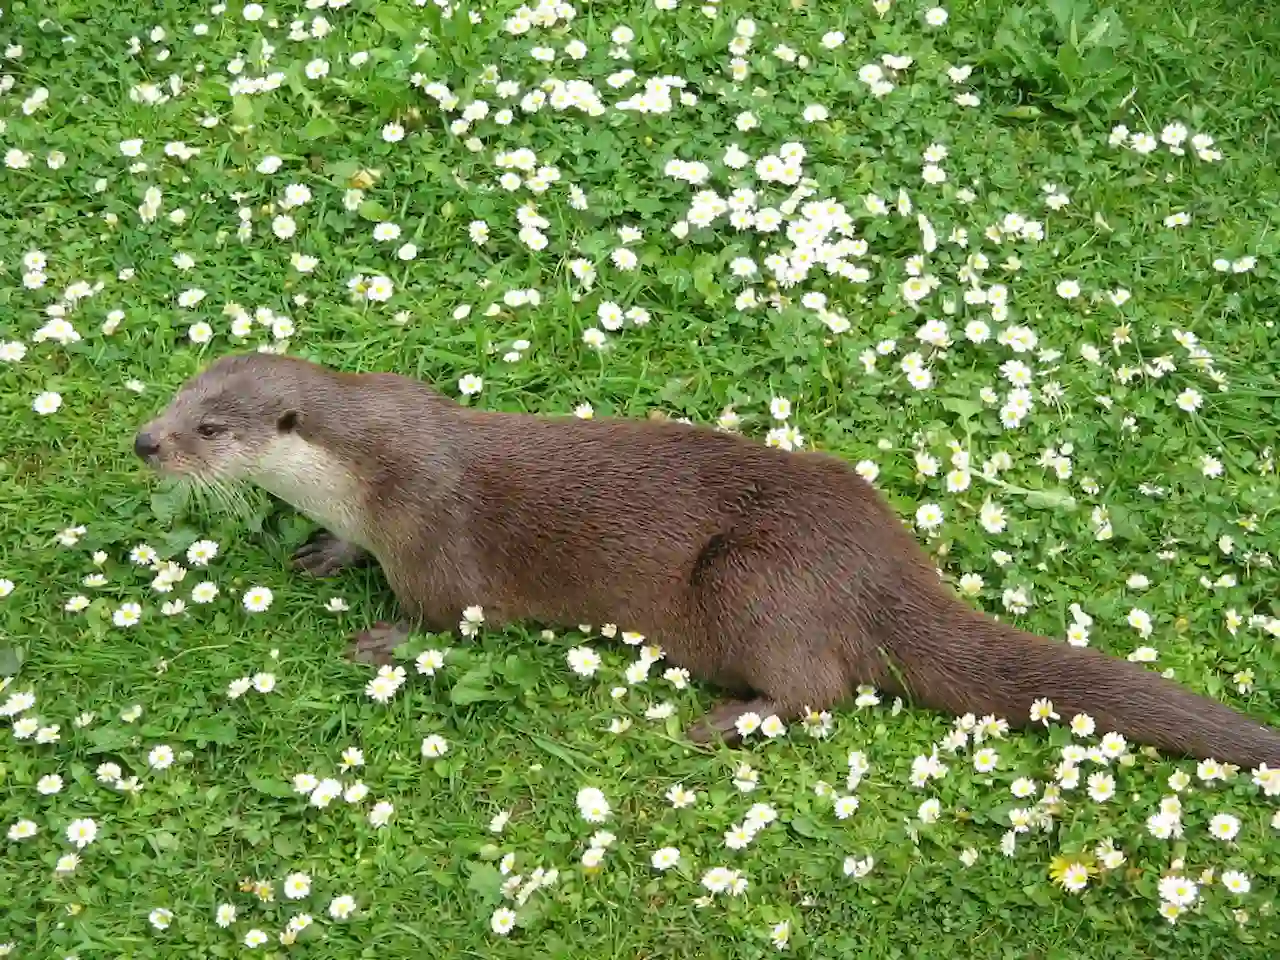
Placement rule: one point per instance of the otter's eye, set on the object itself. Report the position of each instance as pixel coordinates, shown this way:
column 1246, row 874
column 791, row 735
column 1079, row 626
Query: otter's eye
column 209, row 430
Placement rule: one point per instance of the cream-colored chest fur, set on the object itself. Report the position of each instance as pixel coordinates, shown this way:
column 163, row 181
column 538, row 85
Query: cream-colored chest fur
column 314, row 482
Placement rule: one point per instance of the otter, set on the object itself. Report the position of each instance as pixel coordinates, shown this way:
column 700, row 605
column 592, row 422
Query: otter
column 783, row 578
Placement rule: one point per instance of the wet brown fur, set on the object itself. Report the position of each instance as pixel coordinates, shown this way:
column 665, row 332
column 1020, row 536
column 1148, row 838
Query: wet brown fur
column 783, row 578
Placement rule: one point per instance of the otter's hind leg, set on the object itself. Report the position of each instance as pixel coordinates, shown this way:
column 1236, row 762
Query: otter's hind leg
column 775, row 624
column 722, row 720
column 374, row 645
column 324, row 555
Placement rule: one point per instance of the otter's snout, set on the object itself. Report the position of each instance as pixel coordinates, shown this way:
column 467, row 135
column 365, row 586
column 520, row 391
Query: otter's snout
column 145, row 445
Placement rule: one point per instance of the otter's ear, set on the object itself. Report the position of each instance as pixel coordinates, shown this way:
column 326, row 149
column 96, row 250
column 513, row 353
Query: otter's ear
column 288, row 421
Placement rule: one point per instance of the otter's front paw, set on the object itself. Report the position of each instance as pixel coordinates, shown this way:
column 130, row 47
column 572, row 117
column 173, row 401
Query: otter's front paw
column 325, row 555
column 374, row 645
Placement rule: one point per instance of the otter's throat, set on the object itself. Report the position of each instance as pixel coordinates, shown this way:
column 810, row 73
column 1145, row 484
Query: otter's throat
column 314, row 482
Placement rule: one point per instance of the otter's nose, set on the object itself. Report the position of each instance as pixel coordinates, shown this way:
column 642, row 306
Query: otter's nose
column 144, row 445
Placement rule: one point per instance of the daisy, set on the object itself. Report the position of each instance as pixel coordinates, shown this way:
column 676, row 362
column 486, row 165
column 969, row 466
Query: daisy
column 665, row 858
column 1074, row 878
column 583, row 661
column 127, row 615
column 341, row 907
column 845, row 806
column 297, row 886
column 66, row 864
column 680, row 798
column 257, row 599
column 434, row 746
column 255, row 938
column 1224, row 826
column 1235, row 881
column 592, row 805
column 381, row 813
column 49, row 784
column 1178, row 890
column 503, row 921
column 161, row 757
column 929, row 516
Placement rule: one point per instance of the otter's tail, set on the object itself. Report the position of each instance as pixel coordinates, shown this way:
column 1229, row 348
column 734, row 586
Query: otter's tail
column 988, row 667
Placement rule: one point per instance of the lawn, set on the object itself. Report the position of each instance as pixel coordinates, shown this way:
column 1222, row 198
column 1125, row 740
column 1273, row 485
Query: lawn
column 1015, row 262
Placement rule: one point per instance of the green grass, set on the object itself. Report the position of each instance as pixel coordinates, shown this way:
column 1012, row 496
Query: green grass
column 525, row 733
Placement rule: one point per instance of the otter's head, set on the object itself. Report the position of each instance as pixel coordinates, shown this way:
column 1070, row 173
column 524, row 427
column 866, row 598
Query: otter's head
column 222, row 422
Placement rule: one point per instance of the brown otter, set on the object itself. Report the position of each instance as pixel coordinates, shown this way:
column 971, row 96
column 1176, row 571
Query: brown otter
column 782, row 577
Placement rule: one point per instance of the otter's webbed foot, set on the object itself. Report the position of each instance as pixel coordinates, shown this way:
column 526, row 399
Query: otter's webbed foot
column 723, row 719
column 374, row 645
column 324, row 555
